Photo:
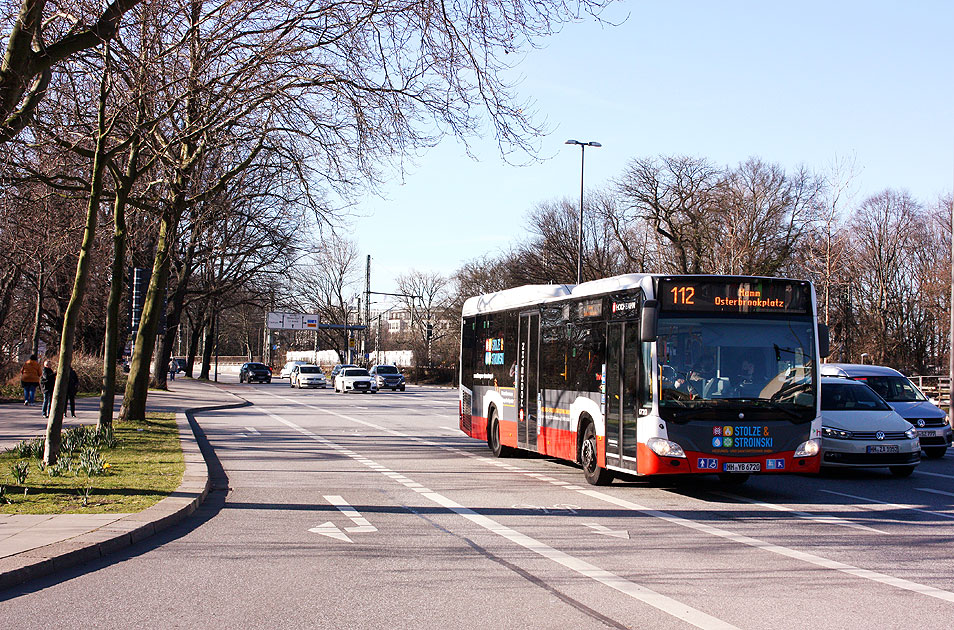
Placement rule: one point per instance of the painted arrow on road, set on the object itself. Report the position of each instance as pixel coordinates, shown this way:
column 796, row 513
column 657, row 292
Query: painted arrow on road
column 606, row 531
column 331, row 530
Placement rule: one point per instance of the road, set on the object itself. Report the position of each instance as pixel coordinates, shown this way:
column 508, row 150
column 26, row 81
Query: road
column 374, row 511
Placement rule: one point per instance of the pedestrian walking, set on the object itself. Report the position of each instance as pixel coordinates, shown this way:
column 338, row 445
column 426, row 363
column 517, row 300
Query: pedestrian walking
column 47, row 383
column 173, row 368
column 71, row 390
column 30, row 379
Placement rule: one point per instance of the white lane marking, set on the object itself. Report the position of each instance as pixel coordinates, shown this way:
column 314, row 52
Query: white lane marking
column 252, row 430
column 818, row 518
column 933, row 491
column 362, row 525
column 714, row 531
column 666, row 604
column 646, row 595
column 241, row 435
column 803, row 556
column 894, row 505
column 331, row 530
column 924, row 472
column 606, row 531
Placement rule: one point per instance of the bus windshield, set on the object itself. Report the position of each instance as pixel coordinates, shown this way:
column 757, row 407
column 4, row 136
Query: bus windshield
column 739, row 362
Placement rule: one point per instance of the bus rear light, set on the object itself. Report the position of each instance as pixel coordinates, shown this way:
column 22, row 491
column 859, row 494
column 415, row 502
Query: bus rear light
column 665, row 448
column 809, row 448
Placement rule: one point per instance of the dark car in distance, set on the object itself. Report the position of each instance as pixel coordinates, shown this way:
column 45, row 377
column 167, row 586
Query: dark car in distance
column 252, row 372
column 388, row 377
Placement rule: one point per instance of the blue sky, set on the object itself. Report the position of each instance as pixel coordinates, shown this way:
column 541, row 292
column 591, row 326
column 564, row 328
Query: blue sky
column 792, row 83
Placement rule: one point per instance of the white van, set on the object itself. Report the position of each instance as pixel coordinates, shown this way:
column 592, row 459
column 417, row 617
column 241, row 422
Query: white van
column 932, row 425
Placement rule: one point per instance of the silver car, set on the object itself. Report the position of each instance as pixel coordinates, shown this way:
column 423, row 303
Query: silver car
column 860, row 430
column 905, row 398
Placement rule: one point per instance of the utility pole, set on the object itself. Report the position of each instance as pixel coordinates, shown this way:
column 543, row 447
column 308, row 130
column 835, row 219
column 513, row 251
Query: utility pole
column 367, row 308
column 950, row 349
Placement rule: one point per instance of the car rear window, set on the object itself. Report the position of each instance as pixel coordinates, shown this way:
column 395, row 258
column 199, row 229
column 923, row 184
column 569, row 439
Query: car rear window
column 256, row 366
column 355, row 372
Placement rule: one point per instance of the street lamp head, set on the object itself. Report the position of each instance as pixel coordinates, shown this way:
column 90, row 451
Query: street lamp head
column 583, row 144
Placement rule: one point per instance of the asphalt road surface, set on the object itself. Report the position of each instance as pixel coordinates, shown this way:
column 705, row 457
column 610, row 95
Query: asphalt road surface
column 374, row 511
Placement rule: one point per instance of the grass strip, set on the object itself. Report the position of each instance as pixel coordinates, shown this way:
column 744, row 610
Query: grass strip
column 145, row 466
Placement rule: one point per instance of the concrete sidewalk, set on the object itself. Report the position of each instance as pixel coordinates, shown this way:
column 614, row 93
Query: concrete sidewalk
column 34, row 545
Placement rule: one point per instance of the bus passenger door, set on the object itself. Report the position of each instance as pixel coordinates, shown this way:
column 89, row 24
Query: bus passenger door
column 622, row 384
column 528, row 353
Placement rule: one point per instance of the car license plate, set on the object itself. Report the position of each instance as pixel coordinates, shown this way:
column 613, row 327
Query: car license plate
column 883, row 448
column 361, row 385
column 742, row 467
column 922, row 434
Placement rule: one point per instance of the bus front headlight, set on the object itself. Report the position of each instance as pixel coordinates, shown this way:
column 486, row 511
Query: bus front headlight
column 808, row 449
column 665, row 448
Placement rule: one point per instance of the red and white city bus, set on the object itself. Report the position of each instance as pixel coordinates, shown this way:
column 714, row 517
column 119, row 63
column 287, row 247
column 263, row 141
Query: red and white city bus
column 648, row 374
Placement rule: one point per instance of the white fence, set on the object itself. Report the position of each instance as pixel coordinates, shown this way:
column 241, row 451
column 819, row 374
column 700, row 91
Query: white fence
column 400, row 358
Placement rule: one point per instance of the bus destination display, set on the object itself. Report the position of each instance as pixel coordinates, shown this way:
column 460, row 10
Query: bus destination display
column 731, row 296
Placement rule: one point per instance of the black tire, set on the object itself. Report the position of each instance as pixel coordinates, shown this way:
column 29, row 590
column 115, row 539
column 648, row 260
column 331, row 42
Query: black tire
column 900, row 472
column 241, row 378
column 594, row 475
column 935, row 452
column 268, row 380
column 493, row 437
column 402, row 388
column 733, row 479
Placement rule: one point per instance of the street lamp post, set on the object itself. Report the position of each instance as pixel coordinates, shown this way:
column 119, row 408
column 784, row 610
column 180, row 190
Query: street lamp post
column 579, row 257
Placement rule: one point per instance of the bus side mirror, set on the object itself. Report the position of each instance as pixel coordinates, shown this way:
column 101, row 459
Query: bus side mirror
column 824, row 340
column 647, row 321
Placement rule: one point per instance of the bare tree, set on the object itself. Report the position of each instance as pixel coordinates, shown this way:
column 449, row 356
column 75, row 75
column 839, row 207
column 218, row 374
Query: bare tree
column 39, row 39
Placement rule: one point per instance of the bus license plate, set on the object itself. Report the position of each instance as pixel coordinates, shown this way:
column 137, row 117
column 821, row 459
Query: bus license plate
column 883, row 448
column 922, row 434
column 742, row 467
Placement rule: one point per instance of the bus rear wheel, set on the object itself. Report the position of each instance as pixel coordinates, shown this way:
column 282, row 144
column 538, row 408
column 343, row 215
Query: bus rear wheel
column 493, row 437
column 594, row 475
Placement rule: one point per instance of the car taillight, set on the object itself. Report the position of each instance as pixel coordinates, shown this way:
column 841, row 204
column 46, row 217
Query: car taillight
column 269, row 370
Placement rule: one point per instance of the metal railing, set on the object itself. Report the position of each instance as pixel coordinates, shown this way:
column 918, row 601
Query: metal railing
column 936, row 388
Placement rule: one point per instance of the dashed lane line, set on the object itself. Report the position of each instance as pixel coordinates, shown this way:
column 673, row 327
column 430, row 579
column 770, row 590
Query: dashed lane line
column 894, row 505
column 668, row 605
column 794, row 554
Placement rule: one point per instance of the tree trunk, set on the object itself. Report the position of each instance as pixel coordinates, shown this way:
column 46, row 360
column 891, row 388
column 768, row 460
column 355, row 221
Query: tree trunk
column 208, row 345
column 38, row 313
column 193, row 346
column 111, row 342
column 174, row 313
column 55, row 425
column 137, row 385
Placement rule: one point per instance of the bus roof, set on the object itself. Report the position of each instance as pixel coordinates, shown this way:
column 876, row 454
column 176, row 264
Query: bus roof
column 532, row 294
column 513, row 298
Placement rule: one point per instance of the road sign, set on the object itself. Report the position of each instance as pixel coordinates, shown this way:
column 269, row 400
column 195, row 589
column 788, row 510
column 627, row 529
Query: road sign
column 291, row 321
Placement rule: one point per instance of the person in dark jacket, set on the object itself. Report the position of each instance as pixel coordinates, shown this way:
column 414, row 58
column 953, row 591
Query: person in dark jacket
column 47, row 382
column 71, row 389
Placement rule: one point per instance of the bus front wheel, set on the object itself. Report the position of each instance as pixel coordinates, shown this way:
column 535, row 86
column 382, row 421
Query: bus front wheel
column 594, row 475
column 493, row 437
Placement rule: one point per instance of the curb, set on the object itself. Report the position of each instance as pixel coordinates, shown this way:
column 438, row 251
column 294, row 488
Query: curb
column 129, row 530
